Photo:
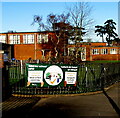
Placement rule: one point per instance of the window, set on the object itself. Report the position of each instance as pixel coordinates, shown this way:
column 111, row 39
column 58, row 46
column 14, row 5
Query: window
column 14, row 39
column 95, row 51
column 2, row 38
column 71, row 51
column 104, row 51
column 113, row 51
column 83, row 53
column 42, row 38
column 28, row 38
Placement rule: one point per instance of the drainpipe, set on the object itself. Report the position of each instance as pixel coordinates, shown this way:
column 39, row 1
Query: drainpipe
column 90, row 54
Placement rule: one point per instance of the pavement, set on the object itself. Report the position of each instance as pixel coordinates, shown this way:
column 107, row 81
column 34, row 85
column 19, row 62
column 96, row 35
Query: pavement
column 87, row 106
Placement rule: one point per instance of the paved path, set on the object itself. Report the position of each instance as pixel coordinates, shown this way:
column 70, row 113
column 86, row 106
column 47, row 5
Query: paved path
column 17, row 107
column 74, row 106
column 77, row 106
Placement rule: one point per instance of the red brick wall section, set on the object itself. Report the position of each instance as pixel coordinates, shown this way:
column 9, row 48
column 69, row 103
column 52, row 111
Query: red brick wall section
column 97, row 44
column 105, row 57
column 1, row 61
column 24, row 51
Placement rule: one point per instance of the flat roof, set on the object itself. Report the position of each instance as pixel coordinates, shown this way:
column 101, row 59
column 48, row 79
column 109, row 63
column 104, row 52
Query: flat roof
column 14, row 32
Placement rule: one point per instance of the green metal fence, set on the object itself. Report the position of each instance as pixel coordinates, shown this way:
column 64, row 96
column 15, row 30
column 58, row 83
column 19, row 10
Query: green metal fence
column 91, row 77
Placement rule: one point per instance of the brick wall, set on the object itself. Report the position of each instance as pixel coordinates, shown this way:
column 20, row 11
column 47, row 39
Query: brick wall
column 24, row 51
column 1, row 60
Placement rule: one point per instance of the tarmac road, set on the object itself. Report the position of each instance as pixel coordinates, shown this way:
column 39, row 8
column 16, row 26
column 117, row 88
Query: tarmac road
column 77, row 106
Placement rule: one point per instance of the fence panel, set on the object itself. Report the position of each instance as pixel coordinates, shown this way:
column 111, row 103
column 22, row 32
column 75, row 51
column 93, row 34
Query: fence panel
column 91, row 77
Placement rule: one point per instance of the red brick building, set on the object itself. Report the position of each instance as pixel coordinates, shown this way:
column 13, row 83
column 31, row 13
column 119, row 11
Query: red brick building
column 96, row 51
column 34, row 45
column 38, row 45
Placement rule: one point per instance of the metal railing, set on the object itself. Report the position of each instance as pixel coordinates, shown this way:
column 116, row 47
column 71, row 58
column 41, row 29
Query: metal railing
column 91, row 77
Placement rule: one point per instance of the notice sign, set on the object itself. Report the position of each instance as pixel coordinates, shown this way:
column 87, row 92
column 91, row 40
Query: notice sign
column 44, row 75
column 70, row 77
column 35, row 76
column 53, row 75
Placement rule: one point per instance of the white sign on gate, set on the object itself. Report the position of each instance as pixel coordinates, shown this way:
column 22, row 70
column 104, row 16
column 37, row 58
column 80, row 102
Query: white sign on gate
column 70, row 77
column 35, row 76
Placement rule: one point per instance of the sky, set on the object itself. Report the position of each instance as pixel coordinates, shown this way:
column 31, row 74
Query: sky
column 18, row 16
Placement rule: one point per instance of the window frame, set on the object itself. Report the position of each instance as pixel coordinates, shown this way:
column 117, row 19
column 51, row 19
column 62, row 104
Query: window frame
column 95, row 51
column 113, row 51
column 28, row 38
column 104, row 51
column 14, row 39
column 42, row 38
column 3, row 40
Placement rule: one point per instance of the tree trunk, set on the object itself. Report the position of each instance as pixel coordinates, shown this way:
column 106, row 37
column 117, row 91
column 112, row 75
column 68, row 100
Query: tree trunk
column 56, row 52
column 102, row 39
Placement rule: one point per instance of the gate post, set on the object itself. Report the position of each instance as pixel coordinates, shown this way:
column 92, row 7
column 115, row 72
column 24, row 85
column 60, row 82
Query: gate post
column 6, row 89
column 102, row 77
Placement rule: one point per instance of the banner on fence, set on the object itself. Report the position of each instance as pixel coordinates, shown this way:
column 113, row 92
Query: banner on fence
column 45, row 75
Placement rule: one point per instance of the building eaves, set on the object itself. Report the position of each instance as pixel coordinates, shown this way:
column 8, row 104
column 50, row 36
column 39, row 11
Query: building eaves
column 26, row 32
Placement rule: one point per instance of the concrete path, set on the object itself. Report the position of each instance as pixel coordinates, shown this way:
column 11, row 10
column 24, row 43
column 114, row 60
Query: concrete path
column 17, row 107
column 77, row 106
column 97, row 105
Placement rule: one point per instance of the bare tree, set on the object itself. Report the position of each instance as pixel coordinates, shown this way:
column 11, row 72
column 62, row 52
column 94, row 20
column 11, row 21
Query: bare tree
column 38, row 19
column 80, row 19
column 73, row 25
column 80, row 15
column 58, row 24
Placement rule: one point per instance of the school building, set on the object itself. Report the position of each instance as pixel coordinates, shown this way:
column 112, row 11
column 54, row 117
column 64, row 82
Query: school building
column 40, row 45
